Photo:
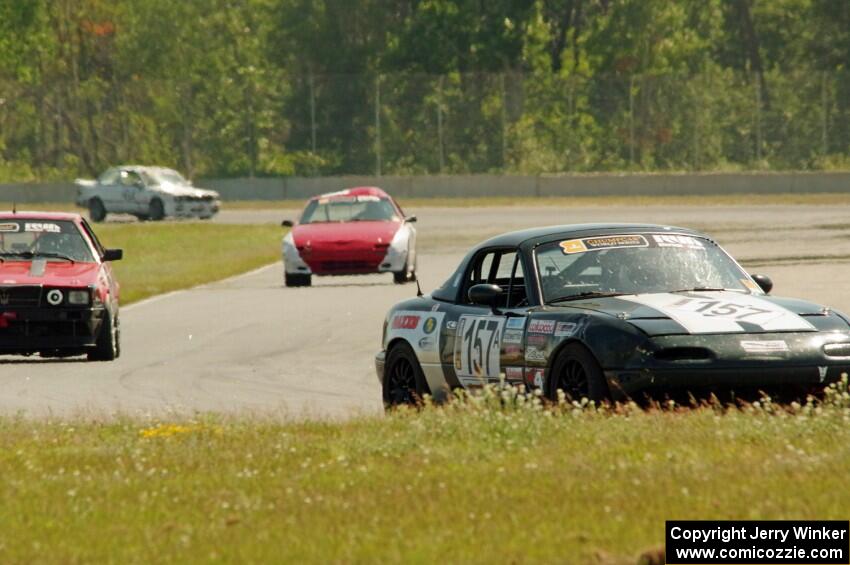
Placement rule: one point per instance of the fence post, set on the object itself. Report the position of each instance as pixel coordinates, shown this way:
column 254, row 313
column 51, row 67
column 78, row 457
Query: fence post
column 631, row 120
column 504, row 118
column 312, row 115
column 440, row 122
column 824, row 96
column 758, row 120
column 697, row 106
column 378, row 126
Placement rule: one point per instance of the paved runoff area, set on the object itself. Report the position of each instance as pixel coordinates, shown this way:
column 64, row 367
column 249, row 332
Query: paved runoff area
column 248, row 345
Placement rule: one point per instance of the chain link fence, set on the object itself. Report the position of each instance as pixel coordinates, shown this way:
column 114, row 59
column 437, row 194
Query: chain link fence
column 460, row 123
column 472, row 123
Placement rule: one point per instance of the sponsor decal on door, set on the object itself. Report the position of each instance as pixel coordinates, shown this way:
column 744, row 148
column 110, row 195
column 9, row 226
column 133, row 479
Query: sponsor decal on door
column 421, row 330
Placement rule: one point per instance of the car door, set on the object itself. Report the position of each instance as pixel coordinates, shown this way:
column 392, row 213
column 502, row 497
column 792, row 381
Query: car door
column 483, row 346
column 132, row 192
column 110, row 190
column 106, row 272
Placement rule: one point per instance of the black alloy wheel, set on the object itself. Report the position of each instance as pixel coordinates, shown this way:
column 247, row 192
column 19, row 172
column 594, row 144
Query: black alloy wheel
column 404, row 381
column 577, row 373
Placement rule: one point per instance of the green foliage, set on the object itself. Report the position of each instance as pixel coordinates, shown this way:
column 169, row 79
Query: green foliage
column 303, row 87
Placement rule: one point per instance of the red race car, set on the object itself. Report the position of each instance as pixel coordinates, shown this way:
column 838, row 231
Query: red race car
column 352, row 232
column 58, row 296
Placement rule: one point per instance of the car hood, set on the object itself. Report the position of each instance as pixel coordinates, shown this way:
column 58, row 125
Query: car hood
column 48, row 273
column 719, row 312
column 184, row 190
column 341, row 233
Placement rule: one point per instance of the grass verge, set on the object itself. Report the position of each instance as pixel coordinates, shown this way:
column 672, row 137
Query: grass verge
column 582, row 201
column 170, row 256
column 471, row 482
column 819, row 199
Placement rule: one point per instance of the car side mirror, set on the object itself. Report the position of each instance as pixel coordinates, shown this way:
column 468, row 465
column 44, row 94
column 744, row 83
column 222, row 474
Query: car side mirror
column 764, row 282
column 113, row 254
column 410, row 219
column 287, row 223
column 485, row 295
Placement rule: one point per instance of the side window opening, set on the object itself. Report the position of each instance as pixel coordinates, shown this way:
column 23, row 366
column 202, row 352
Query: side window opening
column 516, row 295
column 503, row 268
column 109, row 177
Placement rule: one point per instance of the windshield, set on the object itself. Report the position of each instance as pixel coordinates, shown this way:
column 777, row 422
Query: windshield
column 43, row 239
column 349, row 209
column 634, row 264
column 168, row 175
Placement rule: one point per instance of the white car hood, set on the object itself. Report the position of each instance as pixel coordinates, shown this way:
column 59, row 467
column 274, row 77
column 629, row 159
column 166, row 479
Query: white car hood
column 183, row 190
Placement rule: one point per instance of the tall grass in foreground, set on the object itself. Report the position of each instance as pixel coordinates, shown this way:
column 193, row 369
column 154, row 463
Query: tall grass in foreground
column 492, row 478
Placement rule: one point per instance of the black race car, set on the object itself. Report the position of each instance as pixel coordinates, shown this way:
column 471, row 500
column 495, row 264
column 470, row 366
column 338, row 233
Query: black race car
column 608, row 311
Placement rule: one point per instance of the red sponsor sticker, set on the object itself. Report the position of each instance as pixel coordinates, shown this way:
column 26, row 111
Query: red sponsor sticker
column 535, row 377
column 405, row 322
column 541, row 326
column 536, row 340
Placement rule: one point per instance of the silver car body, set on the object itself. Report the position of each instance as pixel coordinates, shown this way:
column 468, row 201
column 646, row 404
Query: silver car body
column 133, row 189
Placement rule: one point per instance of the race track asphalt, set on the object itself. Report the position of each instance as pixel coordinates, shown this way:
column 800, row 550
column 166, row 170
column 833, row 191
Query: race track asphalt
column 249, row 345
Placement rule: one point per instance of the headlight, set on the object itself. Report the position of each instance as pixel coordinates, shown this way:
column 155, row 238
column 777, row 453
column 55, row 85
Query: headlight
column 54, row 297
column 78, row 297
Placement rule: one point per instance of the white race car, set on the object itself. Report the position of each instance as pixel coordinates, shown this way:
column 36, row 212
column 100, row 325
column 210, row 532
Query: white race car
column 149, row 193
column 356, row 231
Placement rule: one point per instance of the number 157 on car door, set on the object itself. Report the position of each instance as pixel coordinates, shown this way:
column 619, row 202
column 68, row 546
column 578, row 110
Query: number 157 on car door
column 477, row 346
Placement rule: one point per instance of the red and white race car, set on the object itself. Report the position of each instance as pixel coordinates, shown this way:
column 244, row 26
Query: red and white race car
column 351, row 232
column 58, row 296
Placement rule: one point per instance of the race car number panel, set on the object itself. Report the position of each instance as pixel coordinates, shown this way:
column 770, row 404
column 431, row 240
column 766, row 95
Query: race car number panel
column 478, row 348
column 719, row 312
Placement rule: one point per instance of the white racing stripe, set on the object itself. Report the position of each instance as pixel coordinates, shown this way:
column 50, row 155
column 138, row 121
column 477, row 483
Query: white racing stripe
column 723, row 312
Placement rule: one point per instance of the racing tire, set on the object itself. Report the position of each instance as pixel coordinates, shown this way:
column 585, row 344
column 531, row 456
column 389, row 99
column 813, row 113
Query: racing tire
column 97, row 211
column 297, row 279
column 108, row 345
column 157, row 210
column 401, row 277
column 406, row 274
column 577, row 373
column 404, row 382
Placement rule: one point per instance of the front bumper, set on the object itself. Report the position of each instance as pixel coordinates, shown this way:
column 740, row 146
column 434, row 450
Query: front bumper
column 338, row 264
column 628, row 383
column 380, row 362
column 731, row 362
column 33, row 330
column 196, row 208
column 395, row 261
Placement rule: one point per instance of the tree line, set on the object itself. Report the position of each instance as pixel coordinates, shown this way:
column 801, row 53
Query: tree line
column 318, row 87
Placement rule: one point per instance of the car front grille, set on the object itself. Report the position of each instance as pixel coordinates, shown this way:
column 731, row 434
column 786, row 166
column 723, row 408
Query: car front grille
column 20, row 295
column 347, row 265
